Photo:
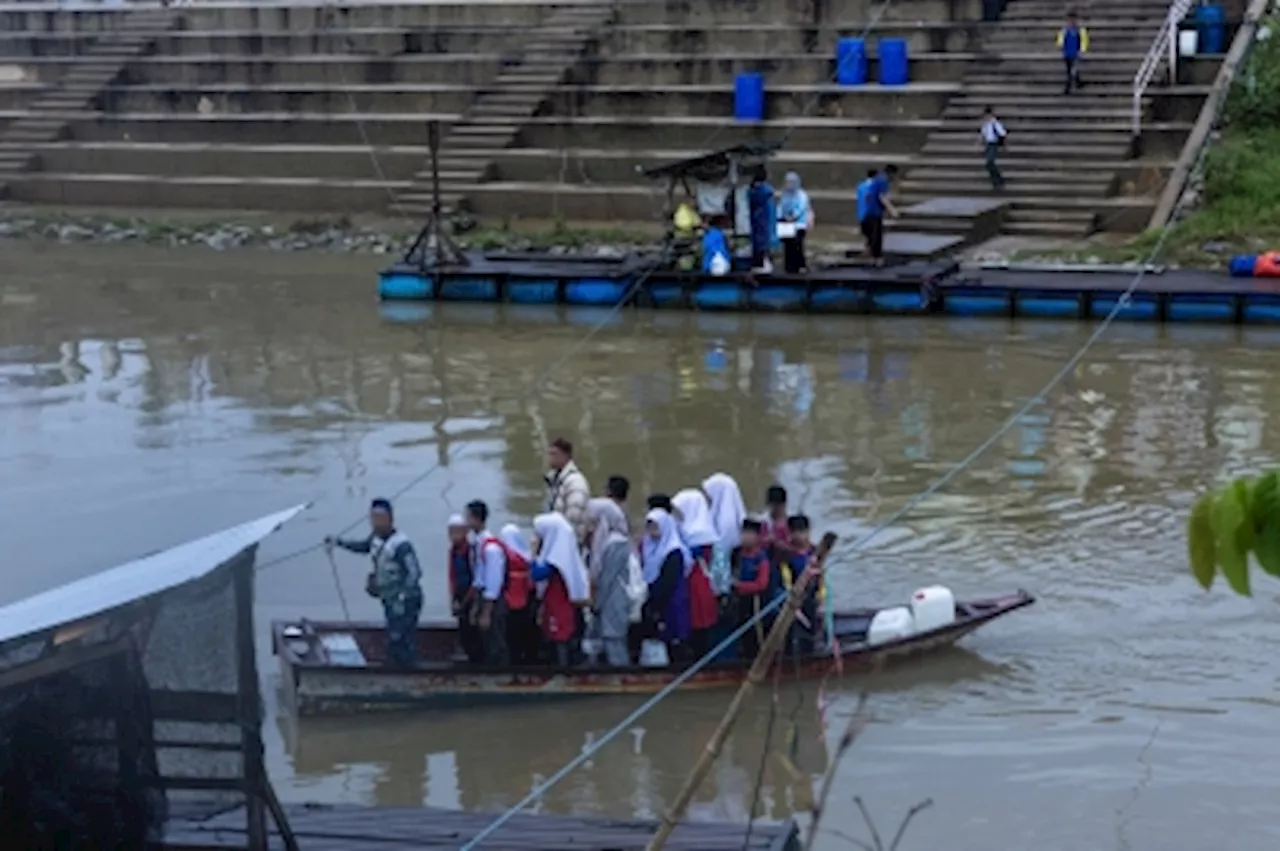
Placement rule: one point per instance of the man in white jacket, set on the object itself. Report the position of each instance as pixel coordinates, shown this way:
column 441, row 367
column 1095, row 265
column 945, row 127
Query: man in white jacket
column 567, row 488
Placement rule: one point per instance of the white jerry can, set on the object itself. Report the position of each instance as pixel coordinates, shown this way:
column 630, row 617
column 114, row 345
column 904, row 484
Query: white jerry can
column 933, row 607
column 890, row 625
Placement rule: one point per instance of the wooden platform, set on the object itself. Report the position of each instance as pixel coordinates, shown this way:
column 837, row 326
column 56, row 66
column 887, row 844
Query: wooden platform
column 354, row 828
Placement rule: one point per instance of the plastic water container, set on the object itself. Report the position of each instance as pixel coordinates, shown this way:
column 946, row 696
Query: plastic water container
column 894, row 69
column 890, row 625
column 933, row 607
column 851, row 62
column 1211, row 21
column 1241, row 265
column 748, row 97
column 1188, row 42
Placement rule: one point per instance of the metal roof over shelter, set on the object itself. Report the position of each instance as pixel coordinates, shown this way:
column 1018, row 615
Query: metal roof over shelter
column 714, row 165
column 135, row 580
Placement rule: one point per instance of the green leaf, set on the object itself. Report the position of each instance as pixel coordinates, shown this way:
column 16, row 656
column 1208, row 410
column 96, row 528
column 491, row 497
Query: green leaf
column 1201, row 546
column 1265, row 516
column 1229, row 514
column 1245, row 533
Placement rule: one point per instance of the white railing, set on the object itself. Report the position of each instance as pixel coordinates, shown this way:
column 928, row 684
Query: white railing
column 1163, row 48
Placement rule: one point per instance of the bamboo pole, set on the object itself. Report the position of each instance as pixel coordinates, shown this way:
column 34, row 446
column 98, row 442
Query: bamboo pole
column 759, row 670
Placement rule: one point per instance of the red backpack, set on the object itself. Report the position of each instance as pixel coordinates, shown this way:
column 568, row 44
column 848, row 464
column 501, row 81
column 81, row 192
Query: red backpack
column 518, row 586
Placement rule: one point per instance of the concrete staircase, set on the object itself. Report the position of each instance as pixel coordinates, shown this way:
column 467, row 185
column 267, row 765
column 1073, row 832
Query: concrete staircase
column 495, row 117
column 1063, row 152
column 94, row 70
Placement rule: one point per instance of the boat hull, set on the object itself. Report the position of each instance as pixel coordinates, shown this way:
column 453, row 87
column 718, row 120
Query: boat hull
column 315, row 686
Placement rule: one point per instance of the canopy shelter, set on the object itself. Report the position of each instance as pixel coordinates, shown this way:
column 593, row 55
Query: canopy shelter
column 717, row 180
column 132, row 695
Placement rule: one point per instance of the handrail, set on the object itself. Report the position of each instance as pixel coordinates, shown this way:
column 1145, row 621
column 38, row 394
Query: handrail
column 1165, row 46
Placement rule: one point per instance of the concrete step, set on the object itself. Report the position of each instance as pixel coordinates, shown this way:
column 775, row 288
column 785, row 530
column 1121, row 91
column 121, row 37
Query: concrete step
column 981, row 188
column 947, row 151
column 1049, row 114
column 926, row 173
column 1018, row 165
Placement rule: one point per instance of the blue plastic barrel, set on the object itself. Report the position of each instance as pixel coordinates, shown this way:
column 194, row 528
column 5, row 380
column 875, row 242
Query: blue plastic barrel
column 748, row 97
column 851, row 62
column 893, row 62
column 1211, row 23
column 1241, row 265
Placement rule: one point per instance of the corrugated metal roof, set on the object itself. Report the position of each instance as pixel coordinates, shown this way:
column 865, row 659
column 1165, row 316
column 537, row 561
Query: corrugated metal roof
column 140, row 578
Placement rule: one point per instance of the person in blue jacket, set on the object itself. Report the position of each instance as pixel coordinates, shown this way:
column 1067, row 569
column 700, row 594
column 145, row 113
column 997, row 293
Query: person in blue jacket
column 715, row 244
column 764, row 221
column 1073, row 41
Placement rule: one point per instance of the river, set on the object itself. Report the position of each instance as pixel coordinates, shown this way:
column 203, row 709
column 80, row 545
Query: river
column 150, row 396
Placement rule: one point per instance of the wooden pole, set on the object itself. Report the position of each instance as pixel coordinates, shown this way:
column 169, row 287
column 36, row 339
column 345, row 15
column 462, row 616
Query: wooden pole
column 250, row 703
column 759, row 670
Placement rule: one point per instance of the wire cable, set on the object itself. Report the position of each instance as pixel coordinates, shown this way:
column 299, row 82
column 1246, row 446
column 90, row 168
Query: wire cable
column 1121, row 303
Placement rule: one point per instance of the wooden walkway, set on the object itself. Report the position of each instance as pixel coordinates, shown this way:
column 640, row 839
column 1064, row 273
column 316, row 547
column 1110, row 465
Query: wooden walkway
column 353, row 828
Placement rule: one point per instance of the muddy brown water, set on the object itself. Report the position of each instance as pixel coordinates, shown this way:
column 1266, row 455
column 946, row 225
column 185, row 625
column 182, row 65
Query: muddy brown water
column 149, row 396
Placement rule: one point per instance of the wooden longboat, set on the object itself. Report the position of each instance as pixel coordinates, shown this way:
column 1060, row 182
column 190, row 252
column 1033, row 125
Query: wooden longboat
column 332, row 668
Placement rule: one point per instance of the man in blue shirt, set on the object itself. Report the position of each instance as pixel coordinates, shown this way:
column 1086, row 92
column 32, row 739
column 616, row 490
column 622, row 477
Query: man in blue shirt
column 1073, row 41
column 873, row 203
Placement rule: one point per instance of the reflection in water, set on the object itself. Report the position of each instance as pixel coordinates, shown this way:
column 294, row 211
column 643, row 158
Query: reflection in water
column 175, row 393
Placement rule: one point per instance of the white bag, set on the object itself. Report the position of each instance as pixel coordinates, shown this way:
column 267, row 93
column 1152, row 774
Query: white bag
column 637, row 589
column 653, row 654
column 786, row 230
column 719, row 265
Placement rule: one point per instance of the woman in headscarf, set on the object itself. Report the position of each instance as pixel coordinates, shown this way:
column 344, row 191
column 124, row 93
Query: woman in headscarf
column 522, row 623
column 727, row 509
column 666, row 562
column 795, row 214
column 559, row 564
column 608, row 563
column 699, row 535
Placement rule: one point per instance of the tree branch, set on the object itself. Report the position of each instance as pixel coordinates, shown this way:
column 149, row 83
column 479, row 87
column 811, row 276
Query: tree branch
column 857, row 722
column 906, row 820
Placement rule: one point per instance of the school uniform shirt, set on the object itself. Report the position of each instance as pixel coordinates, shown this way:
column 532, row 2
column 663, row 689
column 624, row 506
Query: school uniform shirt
column 993, row 131
column 490, row 567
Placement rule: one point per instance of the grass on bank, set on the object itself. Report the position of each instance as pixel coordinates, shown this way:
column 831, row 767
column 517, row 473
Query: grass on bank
column 1238, row 208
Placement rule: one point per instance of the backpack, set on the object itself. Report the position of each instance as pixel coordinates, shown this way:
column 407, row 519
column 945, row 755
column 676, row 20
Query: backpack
column 720, row 570
column 635, row 586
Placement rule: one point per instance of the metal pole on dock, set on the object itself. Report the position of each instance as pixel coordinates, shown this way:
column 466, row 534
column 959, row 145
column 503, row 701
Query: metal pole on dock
column 759, row 670
column 433, row 143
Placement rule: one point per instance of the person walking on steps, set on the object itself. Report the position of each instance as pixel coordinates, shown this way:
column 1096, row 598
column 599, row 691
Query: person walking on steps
column 1073, row 41
column 993, row 136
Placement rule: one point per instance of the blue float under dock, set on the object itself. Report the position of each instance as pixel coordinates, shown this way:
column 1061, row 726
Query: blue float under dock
column 916, row 288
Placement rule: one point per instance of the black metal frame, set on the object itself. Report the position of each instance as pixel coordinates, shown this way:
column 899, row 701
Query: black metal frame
column 446, row 250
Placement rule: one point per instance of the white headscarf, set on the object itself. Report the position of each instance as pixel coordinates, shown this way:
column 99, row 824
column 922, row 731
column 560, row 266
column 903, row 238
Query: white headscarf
column 455, row 520
column 655, row 552
column 610, row 527
column 727, row 509
column 559, row 549
column 516, row 540
column 696, row 529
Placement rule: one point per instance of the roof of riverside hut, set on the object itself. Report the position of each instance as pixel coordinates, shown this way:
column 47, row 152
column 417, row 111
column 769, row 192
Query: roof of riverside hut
column 136, row 580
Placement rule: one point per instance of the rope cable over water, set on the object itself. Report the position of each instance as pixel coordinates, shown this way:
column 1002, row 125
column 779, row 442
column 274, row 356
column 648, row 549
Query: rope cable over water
column 622, row 302
column 587, row 753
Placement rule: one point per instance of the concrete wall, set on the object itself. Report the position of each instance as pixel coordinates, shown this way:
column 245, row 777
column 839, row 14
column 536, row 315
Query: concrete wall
column 270, row 105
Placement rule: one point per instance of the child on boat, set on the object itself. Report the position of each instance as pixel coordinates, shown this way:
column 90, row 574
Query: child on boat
column 806, row 630
column 755, row 583
column 462, row 591
column 777, row 534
